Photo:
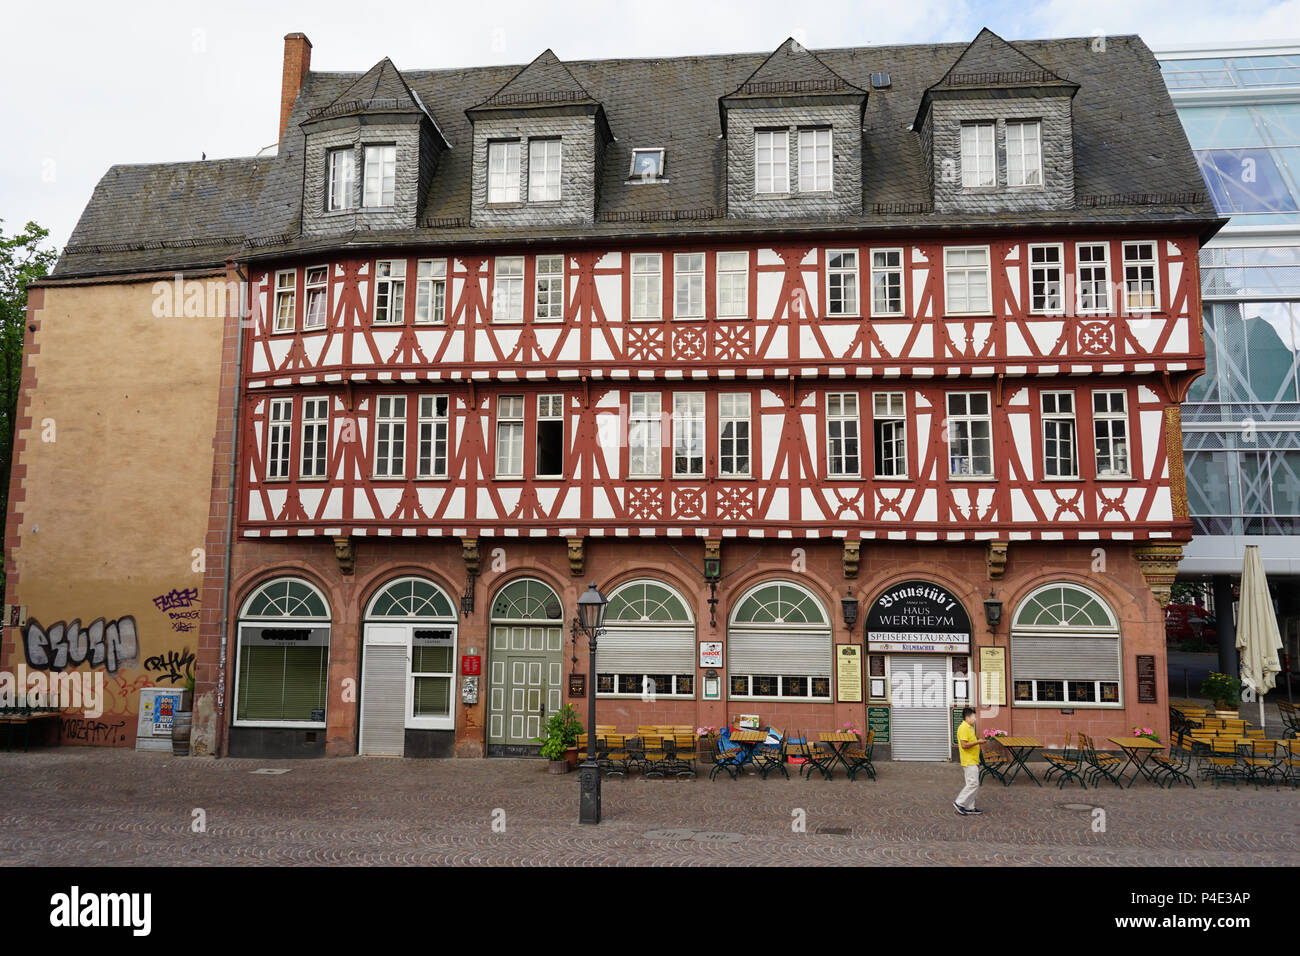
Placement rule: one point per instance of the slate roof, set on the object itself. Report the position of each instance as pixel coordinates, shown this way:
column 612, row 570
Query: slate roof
column 1132, row 158
column 545, row 80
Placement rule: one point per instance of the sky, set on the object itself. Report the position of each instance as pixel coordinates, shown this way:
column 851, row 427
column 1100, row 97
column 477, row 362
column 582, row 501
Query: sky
column 89, row 85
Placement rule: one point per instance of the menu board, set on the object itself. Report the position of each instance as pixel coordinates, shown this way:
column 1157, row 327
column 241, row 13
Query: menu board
column 1146, row 668
column 878, row 720
column 848, row 673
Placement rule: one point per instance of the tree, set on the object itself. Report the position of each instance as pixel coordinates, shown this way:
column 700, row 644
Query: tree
column 22, row 262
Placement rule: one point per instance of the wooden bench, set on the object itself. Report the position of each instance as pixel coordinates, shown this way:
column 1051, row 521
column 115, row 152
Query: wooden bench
column 24, row 717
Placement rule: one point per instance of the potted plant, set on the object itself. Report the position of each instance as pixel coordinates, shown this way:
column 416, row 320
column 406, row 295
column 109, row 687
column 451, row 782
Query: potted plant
column 560, row 745
column 1225, row 691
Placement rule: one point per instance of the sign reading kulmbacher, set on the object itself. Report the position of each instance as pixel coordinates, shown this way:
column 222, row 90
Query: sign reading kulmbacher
column 918, row 617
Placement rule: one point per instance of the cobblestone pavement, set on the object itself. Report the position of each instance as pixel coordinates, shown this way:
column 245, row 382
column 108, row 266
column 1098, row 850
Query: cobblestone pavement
column 74, row 806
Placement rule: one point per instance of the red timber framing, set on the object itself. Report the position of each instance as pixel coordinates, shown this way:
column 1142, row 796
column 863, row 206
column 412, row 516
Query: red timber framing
column 786, row 353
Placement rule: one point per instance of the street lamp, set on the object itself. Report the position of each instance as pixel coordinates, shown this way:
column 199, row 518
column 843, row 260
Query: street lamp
column 591, row 617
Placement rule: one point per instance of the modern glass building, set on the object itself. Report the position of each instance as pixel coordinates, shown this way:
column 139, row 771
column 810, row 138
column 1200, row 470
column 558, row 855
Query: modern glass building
column 1240, row 106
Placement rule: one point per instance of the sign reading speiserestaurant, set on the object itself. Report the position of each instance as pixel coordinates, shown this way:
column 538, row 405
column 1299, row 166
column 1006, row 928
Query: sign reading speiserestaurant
column 918, row 617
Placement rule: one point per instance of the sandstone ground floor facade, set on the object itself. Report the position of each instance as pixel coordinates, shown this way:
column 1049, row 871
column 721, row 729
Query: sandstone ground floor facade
column 463, row 647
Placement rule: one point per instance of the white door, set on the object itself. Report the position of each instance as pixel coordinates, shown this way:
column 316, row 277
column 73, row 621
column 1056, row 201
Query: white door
column 385, row 664
column 920, row 721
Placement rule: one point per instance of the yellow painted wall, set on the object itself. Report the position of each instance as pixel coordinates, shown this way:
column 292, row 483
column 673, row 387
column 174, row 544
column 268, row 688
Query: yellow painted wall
column 116, row 492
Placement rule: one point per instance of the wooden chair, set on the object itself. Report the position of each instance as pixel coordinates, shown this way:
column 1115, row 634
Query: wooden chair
column 1290, row 718
column 653, row 757
column 1261, row 761
column 815, row 758
column 859, row 757
column 724, row 760
column 1225, row 762
column 682, row 759
column 770, row 757
column 994, row 760
column 1176, row 765
column 1100, row 763
column 1288, row 752
column 1067, row 762
column 615, row 758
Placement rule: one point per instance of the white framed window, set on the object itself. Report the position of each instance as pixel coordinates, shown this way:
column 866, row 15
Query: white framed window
column 644, row 434
column 340, row 166
column 317, row 285
column 380, row 175
column 1065, row 650
column 841, row 282
column 890, row 434
column 771, row 161
column 733, row 434
column 434, row 437
column 1092, row 260
column 1060, row 442
column 503, row 171
column 286, row 301
column 733, row 284
column 431, row 291
column 510, row 436
column 688, row 434
column 390, row 436
column 550, row 436
column 970, row 434
column 978, row 161
column 843, row 455
column 647, row 165
column 778, row 644
column 283, row 683
column 430, row 686
column 1046, row 279
column 543, row 170
column 966, row 280
column 1110, row 433
column 815, row 160
column 279, row 431
column 548, row 300
column 390, row 291
column 1141, row 292
column 886, row 281
column 647, row 285
column 1024, row 153
column 315, row 437
column 508, row 289
column 688, row 283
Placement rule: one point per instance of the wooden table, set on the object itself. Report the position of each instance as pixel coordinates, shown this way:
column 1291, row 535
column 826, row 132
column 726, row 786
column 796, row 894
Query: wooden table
column 749, row 740
column 1138, row 750
column 838, row 741
column 1020, row 748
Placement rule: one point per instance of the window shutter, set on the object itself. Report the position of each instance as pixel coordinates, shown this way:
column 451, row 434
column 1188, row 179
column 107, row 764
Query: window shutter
column 646, row 650
column 383, row 690
column 1064, row 658
column 753, row 651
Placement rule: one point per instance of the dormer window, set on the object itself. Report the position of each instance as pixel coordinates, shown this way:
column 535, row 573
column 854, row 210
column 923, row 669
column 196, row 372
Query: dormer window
column 647, row 165
column 503, row 171
column 978, row 161
column 544, row 170
column 1024, row 154
column 380, row 172
column 339, row 165
column 771, row 161
column 814, row 160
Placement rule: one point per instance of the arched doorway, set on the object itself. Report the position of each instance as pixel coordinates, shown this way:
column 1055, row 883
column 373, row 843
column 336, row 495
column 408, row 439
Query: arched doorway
column 525, row 665
column 408, row 670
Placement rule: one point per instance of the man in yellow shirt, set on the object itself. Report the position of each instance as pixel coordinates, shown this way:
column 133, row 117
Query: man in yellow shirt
column 968, row 746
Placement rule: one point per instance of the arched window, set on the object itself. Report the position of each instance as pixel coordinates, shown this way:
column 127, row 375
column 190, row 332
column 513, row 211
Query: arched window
column 779, row 644
column 410, row 598
column 1065, row 649
column 526, row 599
column 282, row 659
column 649, row 643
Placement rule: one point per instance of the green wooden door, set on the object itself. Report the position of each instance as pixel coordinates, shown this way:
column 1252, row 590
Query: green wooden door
column 523, row 683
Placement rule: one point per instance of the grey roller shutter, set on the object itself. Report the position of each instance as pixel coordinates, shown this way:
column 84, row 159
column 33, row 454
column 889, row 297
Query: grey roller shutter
column 919, row 732
column 1064, row 658
column 798, row 653
column 383, row 691
column 646, row 650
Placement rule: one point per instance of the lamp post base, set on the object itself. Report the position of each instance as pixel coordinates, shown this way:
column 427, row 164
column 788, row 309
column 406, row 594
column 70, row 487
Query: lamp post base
column 589, row 779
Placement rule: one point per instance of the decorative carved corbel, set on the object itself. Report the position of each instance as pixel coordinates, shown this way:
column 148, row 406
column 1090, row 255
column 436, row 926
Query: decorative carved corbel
column 346, row 553
column 997, row 559
column 1159, row 565
column 851, row 557
column 577, row 557
column 469, row 551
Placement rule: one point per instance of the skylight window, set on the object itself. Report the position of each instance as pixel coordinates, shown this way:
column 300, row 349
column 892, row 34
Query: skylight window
column 647, row 165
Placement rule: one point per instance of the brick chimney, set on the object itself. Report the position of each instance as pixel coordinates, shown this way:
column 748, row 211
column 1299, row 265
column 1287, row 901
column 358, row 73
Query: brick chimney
column 297, row 61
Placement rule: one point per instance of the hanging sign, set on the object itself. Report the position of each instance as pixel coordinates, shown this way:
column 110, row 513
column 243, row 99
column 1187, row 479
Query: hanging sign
column 918, row 617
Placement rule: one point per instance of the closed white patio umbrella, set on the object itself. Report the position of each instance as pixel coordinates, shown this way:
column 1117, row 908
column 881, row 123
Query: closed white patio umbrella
column 1258, row 640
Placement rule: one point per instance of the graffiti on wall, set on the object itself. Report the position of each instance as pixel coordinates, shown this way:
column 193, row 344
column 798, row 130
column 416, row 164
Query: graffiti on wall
column 172, row 665
column 107, row 644
column 180, row 607
column 84, row 730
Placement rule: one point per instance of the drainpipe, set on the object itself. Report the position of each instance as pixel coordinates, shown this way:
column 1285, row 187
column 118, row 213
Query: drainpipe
column 230, row 513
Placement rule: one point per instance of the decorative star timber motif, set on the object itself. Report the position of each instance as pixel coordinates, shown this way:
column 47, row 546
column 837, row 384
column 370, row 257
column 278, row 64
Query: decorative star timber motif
column 1159, row 565
column 1096, row 337
column 688, row 344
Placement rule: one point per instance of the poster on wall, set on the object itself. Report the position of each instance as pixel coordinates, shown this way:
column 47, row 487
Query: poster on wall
column 1146, row 673
column 918, row 617
column 848, row 673
column 993, row 676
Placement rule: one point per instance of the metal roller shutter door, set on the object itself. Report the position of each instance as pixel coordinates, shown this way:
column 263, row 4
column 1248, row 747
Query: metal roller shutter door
column 1065, row 658
column 797, row 653
column 918, row 733
column 383, row 691
column 645, row 650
